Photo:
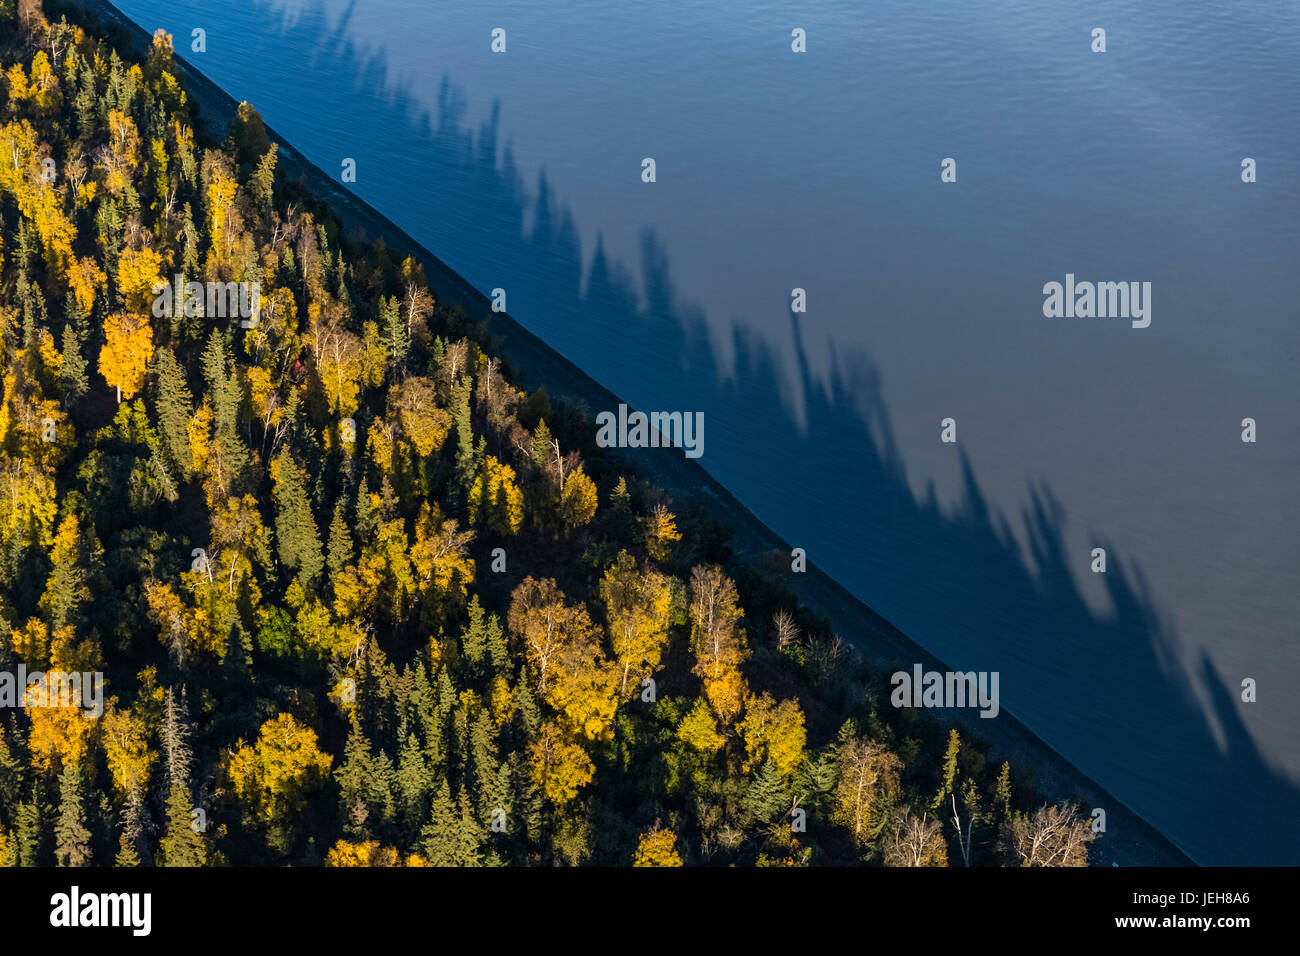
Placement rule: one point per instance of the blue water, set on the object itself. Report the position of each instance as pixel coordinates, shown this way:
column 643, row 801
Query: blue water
column 821, row 171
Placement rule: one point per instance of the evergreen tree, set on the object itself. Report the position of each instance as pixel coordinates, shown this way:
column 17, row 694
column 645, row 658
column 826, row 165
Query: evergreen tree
column 341, row 551
column 466, row 462
column 175, row 407
column 530, row 718
column 393, row 335
column 182, row 845
column 297, row 540
column 75, row 381
column 412, row 787
column 354, row 780
column 473, row 639
column 72, row 838
column 498, row 651
column 483, row 764
column 765, row 796
column 453, row 837
column 86, row 104
column 363, row 514
column 28, row 831
column 1002, row 794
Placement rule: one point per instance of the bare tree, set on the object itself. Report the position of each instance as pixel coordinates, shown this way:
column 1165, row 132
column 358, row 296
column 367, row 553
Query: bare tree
column 787, row 631
column 824, row 654
column 913, row 842
column 962, row 842
column 1052, row 836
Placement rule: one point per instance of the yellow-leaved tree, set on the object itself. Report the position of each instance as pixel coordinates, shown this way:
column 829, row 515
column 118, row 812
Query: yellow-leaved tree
column 717, row 640
column 138, row 272
column 637, row 605
column 867, row 773
column 273, row 777
column 124, row 359
column 495, row 501
column 658, row 847
column 561, row 768
column 772, row 731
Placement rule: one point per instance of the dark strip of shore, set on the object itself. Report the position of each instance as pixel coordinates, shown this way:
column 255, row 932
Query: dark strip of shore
column 1129, row 840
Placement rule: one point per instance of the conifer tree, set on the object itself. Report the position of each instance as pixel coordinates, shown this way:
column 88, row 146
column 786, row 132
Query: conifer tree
column 297, row 541
column 1002, row 793
column 76, row 381
column 466, row 463
column 765, row 796
column 363, row 513
column 412, row 787
column 341, row 550
column 29, row 830
column 182, row 845
column 948, row 776
column 526, row 706
column 473, row 639
column 72, row 838
column 498, row 651
column 354, row 780
column 441, row 840
column 175, row 407
column 394, row 335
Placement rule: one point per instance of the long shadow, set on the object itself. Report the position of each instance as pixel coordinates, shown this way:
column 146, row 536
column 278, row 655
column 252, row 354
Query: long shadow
column 1108, row 691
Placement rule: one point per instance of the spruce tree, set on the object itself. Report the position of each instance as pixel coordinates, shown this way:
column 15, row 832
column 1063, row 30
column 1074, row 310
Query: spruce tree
column 439, row 835
column 412, row 787
column 28, row 831
column 498, row 652
column 182, row 845
column 71, row 836
column 473, row 639
column 353, row 777
column 175, row 407
column 466, row 463
column 453, row 837
column 393, row 335
column 75, row 381
column 483, row 764
column 341, row 550
column 297, row 540
column 1002, row 793
column 765, row 796
column 363, row 515
column 530, row 718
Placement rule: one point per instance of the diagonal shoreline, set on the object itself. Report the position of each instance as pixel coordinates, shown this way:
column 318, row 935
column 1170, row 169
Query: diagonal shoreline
column 1129, row 840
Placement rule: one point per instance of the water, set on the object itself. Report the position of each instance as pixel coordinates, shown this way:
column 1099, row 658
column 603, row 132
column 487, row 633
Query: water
column 821, row 171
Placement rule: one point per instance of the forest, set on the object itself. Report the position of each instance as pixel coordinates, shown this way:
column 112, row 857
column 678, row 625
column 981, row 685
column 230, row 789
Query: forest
column 357, row 599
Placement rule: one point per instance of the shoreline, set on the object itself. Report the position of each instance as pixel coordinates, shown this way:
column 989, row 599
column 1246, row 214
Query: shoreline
column 539, row 365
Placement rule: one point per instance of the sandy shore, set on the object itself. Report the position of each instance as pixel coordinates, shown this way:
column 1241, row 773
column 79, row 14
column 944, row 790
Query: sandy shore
column 1129, row 840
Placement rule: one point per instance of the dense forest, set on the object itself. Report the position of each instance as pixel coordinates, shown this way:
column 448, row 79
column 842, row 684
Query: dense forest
column 356, row 598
